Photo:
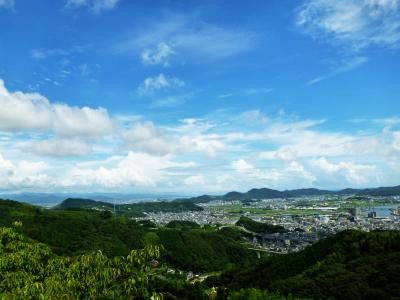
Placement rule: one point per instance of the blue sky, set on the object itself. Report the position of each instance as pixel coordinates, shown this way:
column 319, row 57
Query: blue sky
column 198, row 96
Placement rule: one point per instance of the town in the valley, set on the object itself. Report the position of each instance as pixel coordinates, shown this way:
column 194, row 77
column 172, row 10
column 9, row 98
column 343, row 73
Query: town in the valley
column 305, row 219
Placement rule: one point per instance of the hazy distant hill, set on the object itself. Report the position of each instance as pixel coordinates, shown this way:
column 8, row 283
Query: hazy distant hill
column 52, row 199
column 265, row 193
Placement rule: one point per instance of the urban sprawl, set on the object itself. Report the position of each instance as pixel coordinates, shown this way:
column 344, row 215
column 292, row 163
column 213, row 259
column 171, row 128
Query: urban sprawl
column 305, row 219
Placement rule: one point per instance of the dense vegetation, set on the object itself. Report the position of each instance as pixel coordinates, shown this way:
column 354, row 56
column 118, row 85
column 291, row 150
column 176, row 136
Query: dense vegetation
column 350, row 265
column 202, row 250
column 258, row 227
column 182, row 224
column 130, row 210
column 87, row 254
column 29, row 270
column 72, row 232
column 75, row 231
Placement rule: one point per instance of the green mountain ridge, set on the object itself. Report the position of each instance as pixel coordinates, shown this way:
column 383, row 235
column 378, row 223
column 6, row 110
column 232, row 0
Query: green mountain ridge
column 266, row 193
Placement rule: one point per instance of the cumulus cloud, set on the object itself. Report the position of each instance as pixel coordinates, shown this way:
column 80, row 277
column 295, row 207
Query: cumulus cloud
column 135, row 169
column 23, row 174
column 96, row 6
column 159, row 82
column 354, row 173
column 242, row 165
column 354, row 24
column 304, row 139
column 32, row 112
column 292, row 170
column 60, row 148
column 278, row 152
column 146, row 137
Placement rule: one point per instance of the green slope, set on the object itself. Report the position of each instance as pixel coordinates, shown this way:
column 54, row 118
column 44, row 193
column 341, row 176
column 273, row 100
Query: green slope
column 350, row 265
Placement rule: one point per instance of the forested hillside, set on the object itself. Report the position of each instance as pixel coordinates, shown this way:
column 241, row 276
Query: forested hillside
column 129, row 210
column 72, row 232
column 349, row 265
column 87, row 254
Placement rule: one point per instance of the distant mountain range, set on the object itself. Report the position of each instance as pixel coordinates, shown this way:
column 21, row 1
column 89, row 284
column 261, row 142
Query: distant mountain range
column 52, row 199
column 265, row 193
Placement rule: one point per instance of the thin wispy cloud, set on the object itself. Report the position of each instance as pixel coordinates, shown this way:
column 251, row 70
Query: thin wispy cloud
column 347, row 66
column 182, row 37
column 95, row 6
column 354, row 24
column 7, row 4
column 158, row 55
column 257, row 91
column 171, row 101
column 43, row 53
column 159, row 82
column 225, row 95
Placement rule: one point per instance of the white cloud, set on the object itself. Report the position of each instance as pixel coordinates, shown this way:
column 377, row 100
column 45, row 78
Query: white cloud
column 187, row 38
column 60, row 147
column 285, row 154
column 188, row 138
column 235, row 150
column 158, row 55
column 85, row 121
column 242, row 165
column 31, row 112
column 96, row 6
column 153, row 84
column 356, row 24
column 23, row 174
column 194, row 181
column 42, row 53
column 387, row 121
column 301, row 139
column 396, row 140
column 353, row 173
column 225, row 95
column 346, row 66
column 136, row 169
column 252, row 117
column 146, row 137
column 209, row 145
column 171, row 101
column 291, row 171
column 296, row 169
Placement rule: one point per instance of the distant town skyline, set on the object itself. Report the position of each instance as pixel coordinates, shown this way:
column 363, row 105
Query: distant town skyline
column 198, row 97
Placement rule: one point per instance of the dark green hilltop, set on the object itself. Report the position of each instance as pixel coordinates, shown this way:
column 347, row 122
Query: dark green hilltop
column 266, row 193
